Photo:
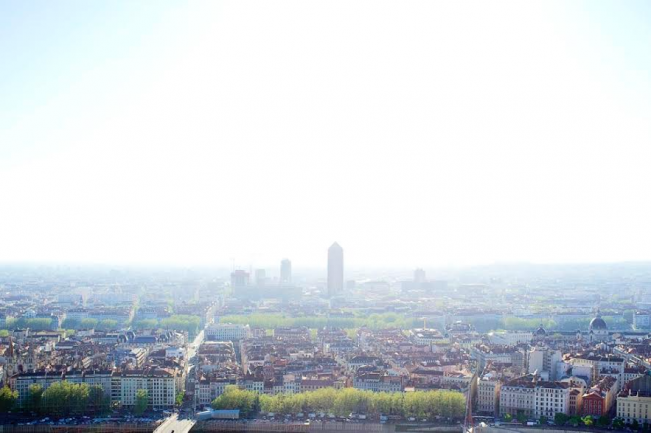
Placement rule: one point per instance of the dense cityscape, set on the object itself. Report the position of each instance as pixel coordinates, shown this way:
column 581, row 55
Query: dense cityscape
column 325, row 216
column 174, row 349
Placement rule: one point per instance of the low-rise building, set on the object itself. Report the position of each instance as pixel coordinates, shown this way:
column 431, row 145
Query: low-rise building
column 599, row 399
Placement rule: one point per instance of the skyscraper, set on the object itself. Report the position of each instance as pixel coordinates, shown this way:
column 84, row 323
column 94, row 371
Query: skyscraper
column 335, row 269
column 260, row 277
column 239, row 279
column 419, row 276
column 285, row 271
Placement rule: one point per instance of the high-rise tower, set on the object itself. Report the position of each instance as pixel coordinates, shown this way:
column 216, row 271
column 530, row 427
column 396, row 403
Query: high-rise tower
column 285, row 271
column 335, row 269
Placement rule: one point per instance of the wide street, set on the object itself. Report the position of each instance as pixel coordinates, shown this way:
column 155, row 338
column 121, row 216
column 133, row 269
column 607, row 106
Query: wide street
column 185, row 423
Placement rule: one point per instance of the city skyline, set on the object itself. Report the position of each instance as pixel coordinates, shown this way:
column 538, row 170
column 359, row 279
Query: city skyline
column 325, row 216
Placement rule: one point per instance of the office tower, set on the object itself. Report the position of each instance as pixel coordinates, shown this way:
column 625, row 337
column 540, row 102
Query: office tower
column 285, row 271
column 335, row 269
column 260, row 277
column 239, row 278
column 419, row 276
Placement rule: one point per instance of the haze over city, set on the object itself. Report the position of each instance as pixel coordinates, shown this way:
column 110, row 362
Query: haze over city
column 325, row 217
column 416, row 135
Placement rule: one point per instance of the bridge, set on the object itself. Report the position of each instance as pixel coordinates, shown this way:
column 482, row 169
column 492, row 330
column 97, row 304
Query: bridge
column 176, row 425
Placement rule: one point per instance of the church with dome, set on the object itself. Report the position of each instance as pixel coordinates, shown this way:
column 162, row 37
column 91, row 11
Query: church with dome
column 598, row 331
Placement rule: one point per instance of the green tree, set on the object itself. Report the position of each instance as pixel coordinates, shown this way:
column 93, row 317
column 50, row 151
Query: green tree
column 542, row 420
column 560, row 419
column 603, row 421
column 618, row 423
column 142, row 400
column 235, row 398
column 342, row 402
column 508, row 417
column 107, row 325
column 70, row 324
column 8, row 399
column 588, row 421
column 34, row 397
column 65, row 398
column 146, row 324
column 522, row 418
column 88, row 323
column 575, row 420
column 179, row 398
column 182, row 322
column 635, row 425
column 98, row 401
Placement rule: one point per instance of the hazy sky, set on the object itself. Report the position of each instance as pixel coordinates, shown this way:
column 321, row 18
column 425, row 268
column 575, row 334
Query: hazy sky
column 412, row 133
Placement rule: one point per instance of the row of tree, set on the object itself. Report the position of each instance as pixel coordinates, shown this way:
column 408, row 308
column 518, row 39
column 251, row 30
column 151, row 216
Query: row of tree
column 65, row 399
column 561, row 419
column 88, row 323
column 36, row 324
column 178, row 322
column 372, row 321
column 396, row 320
column 342, row 402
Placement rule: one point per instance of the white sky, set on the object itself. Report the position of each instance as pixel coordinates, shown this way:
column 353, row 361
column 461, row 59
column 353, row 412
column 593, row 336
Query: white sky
column 412, row 133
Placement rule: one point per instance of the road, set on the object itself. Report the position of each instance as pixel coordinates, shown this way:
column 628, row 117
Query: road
column 192, row 347
column 173, row 423
column 191, row 356
column 176, row 425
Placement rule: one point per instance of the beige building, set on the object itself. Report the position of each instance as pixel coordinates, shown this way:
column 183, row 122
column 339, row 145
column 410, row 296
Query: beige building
column 517, row 397
column 488, row 395
column 532, row 397
column 208, row 388
column 634, row 401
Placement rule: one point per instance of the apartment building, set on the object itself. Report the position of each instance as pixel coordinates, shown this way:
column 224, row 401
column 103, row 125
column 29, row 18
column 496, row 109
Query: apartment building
column 209, row 388
column 378, row 382
column 227, row 332
column 517, row 396
column 551, row 398
column 160, row 383
column 634, row 401
column 488, row 395
column 601, row 397
column 22, row 381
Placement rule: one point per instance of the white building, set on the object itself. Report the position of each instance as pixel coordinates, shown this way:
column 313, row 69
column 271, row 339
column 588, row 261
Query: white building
column 208, row 389
column 511, row 338
column 517, row 397
column 22, row 381
column 551, row 398
column 227, row 332
column 160, row 385
column 378, row 382
column 545, row 362
column 428, row 337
